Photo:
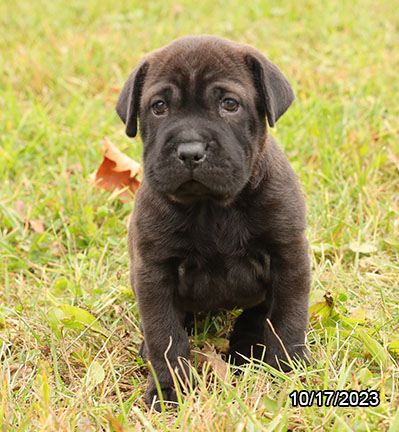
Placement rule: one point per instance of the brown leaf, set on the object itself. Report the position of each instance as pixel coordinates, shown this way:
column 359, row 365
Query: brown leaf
column 115, row 424
column 221, row 344
column 208, row 354
column 37, row 226
column 23, row 371
column 20, row 374
column 20, row 207
column 117, row 171
column 114, row 89
column 77, row 167
column 177, row 8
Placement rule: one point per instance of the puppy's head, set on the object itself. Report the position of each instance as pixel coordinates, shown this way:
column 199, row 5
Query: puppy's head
column 202, row 102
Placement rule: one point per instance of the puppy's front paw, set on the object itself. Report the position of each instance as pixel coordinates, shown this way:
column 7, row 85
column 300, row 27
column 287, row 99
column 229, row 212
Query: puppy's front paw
column 152, row 398
column 183, row 375
column 276, row 356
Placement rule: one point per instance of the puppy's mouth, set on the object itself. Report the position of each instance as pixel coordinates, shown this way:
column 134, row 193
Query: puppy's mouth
column 193, row 190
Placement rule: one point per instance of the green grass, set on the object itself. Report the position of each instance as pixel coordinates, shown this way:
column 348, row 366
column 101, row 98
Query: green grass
column 61, row 67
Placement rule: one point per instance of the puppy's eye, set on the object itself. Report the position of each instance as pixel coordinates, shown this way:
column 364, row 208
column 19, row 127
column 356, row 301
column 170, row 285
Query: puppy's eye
column 159, row 108
column 230, row 105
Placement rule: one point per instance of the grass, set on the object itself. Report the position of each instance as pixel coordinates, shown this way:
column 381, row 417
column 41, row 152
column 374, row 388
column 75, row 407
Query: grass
column 61, row 67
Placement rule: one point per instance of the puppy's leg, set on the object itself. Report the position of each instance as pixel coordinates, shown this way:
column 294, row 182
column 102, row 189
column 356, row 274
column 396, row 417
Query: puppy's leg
column 164, row 336
column 289, row 290
column 248, row 337
column 142, row 350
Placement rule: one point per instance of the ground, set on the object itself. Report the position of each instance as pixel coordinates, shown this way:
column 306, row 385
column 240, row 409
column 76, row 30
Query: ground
column 63, row 242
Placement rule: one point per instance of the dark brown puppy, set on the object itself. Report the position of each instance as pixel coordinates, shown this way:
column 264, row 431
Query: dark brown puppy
column 219, row 218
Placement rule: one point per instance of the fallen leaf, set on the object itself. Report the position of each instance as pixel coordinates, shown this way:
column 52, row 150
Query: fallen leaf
column 358, row 314
column 321, row 248
column 365, row 376
column 221, row 344
column 22, row 370
column 394, row 346
column 95, row 375
column 73, row 317
column 84, row 424
column 270, row 404
column 323, row 313
column 37, row 226
column 3, row 322
column 364, row 248
column 209, row 355
column 20, row 207
column 177, row 8
column 392, row 240
column 114, row 89
column 77, row 167
column 395, row 422
column 117, row 171
column 373, row 348
column 115, row 424
column 19, row 374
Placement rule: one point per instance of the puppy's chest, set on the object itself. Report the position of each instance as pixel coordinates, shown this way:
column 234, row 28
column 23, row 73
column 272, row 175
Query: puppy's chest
column 222, row 271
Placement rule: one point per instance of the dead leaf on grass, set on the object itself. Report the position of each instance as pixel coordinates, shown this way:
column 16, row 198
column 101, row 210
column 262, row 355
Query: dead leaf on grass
column 177, row 8
column 117, row 171
column 221, row 344
column 362, row 248
column 19, row 374
column 22, row 370
column 114, row 89
column 209, row 355
column 72, row 169
column 37, row 226
column 116, row 425
column 20, row 207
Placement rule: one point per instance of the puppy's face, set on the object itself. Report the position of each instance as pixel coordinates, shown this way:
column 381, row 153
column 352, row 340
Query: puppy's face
column 199, row 124
column 202, row 104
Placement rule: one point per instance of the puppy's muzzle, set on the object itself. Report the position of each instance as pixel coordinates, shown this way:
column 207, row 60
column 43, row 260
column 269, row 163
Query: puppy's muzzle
column 191, row 154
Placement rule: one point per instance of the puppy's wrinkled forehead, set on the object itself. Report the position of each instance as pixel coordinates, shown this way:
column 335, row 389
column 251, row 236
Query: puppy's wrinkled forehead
column 188, row 62
column 191, row 64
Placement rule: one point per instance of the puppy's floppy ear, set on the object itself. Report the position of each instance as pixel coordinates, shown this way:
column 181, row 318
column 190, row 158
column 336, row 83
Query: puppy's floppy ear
column 275, row 91
column 128, row 103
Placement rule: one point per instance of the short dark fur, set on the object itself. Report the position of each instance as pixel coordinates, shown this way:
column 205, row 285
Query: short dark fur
column 224, row 232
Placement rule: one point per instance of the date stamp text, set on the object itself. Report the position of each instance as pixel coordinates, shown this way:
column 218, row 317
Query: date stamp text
column 336, row 398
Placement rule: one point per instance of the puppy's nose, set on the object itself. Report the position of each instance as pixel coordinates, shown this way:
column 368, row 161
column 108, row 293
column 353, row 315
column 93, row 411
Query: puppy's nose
column 191, row 153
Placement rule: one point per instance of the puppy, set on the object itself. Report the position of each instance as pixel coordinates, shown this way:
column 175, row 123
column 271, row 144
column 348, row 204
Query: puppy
column 219, row 219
